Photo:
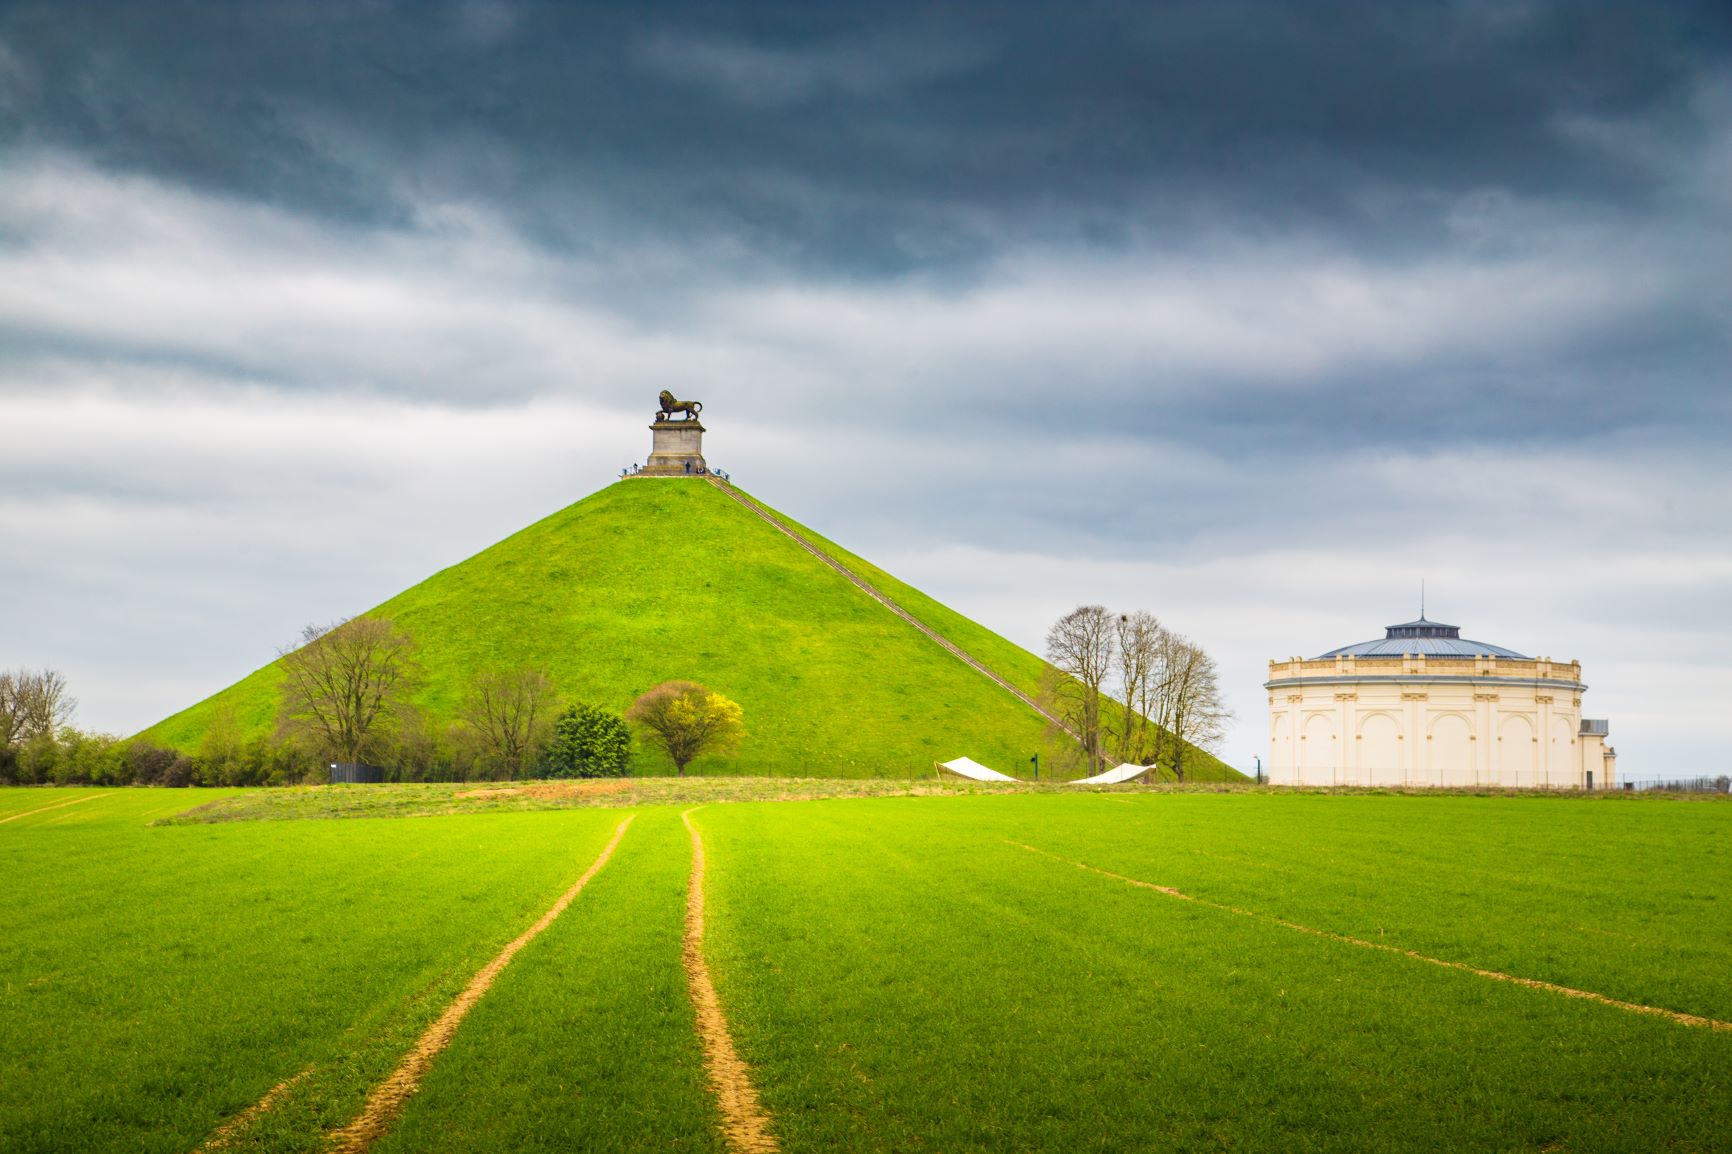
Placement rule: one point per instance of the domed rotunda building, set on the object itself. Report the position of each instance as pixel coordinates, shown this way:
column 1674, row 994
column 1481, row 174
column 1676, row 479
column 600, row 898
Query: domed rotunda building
column 1422, row 706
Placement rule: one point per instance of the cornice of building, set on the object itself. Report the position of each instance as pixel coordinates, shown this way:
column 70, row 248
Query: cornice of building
column 1426, row 678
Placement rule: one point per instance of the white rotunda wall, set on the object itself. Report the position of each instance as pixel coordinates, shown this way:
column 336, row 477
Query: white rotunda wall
column 1433, row 720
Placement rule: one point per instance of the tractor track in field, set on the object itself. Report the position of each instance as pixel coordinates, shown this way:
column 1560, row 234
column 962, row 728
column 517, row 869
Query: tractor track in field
column 1676, row 1016
column 223, row 1138
column 387, row 1099
column 744, row 1123
column 46, row 808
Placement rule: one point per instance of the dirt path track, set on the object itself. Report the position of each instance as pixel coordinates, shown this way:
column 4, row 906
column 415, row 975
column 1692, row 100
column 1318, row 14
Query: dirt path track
column 225, row 1136
column 387, row 1099
column 1679, row 1017
column 46, row 808
column 744, row 1123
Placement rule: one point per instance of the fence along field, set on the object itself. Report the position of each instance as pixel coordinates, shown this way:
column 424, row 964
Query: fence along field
column 897, row 972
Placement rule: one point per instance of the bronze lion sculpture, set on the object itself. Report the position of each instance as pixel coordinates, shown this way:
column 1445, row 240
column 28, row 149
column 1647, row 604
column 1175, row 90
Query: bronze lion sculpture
column 670, row 406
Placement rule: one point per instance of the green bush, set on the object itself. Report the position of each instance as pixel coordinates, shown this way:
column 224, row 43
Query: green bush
column 588, row 742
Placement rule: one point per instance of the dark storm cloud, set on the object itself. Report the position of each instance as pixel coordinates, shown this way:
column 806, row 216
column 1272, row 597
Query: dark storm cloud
column 864, row 140
column 883, row 145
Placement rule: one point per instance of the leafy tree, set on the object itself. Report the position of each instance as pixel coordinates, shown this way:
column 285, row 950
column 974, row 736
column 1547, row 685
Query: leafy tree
column 87, row 758
column 219, row 752
column 508, row 711
column 146, row 763
column 39, row 760
column 347, row 685
column 588, row 742
column 684, row 719
column 425, row 748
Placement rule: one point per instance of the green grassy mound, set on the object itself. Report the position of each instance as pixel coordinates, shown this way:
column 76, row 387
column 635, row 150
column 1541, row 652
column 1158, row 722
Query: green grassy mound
column 652, row 580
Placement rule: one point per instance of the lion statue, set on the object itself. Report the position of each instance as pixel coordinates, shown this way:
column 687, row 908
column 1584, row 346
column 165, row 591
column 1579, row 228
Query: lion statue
column 670, row 406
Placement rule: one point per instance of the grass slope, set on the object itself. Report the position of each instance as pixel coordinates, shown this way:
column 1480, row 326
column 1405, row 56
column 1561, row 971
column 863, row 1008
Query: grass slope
column 649, row 580
column 1011, row 661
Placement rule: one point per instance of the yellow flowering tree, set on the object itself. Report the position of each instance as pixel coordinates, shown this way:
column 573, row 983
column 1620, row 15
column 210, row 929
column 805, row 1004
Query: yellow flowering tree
column 684, row 719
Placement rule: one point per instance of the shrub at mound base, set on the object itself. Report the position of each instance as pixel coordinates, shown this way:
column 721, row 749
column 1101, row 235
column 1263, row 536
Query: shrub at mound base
column 588, row 742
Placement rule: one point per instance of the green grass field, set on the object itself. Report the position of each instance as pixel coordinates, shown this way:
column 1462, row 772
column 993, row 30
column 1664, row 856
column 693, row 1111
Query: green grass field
column 650, row 581
column 901, row 986
column 590, row 1045
column 902, row 972
column 156, row 979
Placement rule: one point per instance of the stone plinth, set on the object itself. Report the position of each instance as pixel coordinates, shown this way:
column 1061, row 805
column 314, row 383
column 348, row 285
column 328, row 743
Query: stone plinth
column 676, row 451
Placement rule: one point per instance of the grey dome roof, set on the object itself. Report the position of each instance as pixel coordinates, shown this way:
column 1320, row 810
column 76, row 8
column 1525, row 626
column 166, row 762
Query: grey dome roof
column 1422, row 636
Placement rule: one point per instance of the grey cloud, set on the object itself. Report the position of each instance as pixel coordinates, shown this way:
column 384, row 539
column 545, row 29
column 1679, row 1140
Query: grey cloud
column 1276, row 346
column 905, row 162
column 758, row 77
column 902, row 123
column 487, row 23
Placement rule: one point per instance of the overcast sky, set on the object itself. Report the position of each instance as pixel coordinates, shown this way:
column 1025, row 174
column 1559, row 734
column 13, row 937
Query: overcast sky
column 1253, row 316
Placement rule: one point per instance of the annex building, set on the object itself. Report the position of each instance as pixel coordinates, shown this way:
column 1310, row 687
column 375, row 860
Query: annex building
column 1421, row 706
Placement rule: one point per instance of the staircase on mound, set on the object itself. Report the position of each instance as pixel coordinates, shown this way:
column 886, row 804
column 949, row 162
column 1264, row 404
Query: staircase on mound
column 873, row 592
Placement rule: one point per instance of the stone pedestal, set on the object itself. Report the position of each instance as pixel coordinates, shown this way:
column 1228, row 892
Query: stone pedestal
column 676, row 451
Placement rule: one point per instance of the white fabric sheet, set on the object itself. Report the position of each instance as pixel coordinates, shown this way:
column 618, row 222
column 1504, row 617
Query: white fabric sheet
column 974, row 771
column 1114, row 776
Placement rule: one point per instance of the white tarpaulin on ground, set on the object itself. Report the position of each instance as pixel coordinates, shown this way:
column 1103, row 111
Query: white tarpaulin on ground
column 974, row 771
column 1115, row 776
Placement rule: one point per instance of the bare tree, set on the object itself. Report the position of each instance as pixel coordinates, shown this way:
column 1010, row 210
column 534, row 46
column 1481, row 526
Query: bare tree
column 1080, row 646
column 1169, row 696
column 509, row 713
column 1196, row 715
column 1138, row 638
column 33, row 704
column 10, row 721
column 686, row 719
column 345, row 684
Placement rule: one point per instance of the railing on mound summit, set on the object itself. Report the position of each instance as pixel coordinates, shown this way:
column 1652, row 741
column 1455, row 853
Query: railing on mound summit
column 872, row 591
column 636, row 470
